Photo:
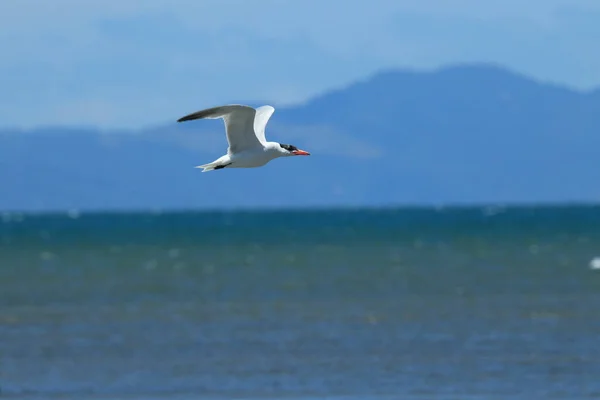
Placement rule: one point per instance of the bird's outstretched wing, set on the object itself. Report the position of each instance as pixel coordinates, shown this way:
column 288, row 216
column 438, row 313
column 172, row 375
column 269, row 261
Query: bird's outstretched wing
column 260, row 121
column 243, row 130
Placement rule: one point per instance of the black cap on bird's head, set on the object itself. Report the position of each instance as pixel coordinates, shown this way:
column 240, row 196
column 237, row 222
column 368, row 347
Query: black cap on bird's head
column 294, row 150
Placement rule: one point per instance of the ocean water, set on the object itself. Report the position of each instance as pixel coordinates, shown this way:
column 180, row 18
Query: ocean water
column 451, row 303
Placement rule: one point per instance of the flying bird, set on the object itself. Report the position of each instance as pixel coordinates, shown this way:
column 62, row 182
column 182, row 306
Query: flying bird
column 245, row 129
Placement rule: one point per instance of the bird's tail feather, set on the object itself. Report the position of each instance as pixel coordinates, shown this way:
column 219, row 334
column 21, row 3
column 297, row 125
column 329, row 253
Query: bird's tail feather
column 208, row 167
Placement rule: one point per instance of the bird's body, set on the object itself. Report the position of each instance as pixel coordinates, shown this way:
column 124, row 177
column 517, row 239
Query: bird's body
column 245, row 129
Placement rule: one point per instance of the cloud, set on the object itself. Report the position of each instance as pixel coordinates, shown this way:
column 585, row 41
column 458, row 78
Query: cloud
column 140, row 62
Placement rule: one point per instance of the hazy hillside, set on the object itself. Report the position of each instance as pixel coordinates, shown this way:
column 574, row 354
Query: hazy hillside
column 461, row 134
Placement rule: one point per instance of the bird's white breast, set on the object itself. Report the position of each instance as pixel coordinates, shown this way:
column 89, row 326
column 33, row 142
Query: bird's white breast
column 252, row 158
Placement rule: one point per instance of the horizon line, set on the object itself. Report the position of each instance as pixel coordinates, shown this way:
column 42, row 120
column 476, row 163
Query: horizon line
column 505, row 205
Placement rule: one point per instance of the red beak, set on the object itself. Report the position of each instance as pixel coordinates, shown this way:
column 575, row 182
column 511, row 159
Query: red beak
column 301, row 153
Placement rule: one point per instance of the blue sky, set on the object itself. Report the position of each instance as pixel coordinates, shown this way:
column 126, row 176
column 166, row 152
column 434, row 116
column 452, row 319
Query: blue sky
column 136, row 63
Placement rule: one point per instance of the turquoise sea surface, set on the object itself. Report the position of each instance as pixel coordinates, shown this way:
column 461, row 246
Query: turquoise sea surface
column 413, row 303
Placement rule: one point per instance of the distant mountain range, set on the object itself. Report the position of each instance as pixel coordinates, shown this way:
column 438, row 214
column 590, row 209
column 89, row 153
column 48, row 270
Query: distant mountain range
column 462, row 134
